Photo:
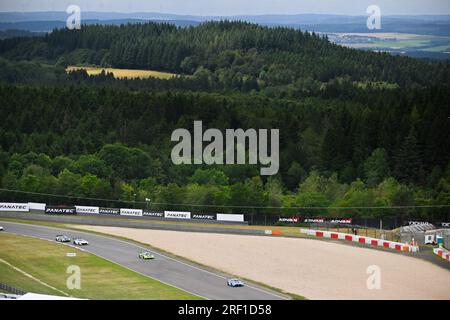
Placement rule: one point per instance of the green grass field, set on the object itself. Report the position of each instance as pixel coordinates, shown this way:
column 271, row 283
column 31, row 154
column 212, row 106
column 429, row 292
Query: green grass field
column 400, row 42
column 293, row 230
column 18, row 280
column 100, row 279
column 124, row 73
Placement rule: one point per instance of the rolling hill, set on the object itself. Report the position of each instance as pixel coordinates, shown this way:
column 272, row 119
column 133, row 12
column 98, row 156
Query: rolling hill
column 356, row 128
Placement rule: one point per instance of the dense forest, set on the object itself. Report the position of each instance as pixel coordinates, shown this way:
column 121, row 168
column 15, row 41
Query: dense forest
column 231, row 55
column 357, row 129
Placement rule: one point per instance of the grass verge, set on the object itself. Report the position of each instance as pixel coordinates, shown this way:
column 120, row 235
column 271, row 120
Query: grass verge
column 145, row 245
column 100, row 279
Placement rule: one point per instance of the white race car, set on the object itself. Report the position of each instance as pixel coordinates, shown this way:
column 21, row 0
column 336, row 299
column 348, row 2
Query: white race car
column 235, row 283
column 62, row 238
column 1, row 228
column 146, row 255
column 80, row 242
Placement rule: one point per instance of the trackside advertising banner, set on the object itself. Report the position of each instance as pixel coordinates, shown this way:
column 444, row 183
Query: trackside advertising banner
column 203, row 216
column 289, row 219
column 314, row 220
column 177, row 214
column 418, row 223
column 230, row 217
column 60, row 210
column 36, row 206
column 82, row 209
column 131, row 212
column 328, row 220
column 9, row 206
column 341, row 221
column 109, row 211
column 153, row 213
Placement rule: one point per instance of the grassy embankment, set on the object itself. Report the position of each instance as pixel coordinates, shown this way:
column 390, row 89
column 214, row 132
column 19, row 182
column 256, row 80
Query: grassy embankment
column 100, row 279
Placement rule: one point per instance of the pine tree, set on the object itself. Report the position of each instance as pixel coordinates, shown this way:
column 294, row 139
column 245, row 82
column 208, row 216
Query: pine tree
column 408, row 160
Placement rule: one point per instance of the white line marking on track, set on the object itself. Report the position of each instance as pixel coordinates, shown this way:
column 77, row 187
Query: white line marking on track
column 97, row 255
column 156, row 253
column 33, row 278
column 184, row 263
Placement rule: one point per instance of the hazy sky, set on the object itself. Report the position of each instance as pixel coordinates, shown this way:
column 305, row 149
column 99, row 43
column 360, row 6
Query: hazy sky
column 236, row 7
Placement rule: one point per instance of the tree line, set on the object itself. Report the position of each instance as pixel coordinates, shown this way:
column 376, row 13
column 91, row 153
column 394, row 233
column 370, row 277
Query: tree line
column 357, row 129
column 383, row 150
column 232, row 55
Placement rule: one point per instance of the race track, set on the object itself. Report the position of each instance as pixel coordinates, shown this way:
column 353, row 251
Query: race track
column 183, row 275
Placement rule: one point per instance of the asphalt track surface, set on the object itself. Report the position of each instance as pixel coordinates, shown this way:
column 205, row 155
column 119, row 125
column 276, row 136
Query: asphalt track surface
column 169, row 270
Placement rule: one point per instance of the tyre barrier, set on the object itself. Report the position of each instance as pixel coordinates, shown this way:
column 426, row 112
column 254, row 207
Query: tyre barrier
column 361, row 239
column 443, row 253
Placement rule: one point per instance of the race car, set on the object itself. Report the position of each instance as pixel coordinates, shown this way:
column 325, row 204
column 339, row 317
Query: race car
column 1, row 228
column 62, row 238
column 80, row 242
column 235, row 283
column 146, row 255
